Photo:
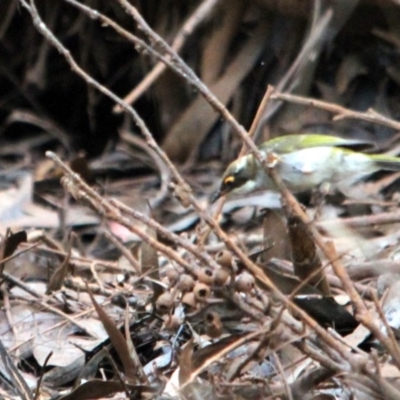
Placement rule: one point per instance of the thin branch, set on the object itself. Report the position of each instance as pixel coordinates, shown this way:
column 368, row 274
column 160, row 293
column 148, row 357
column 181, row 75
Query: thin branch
column 198, row 16
column 340, row 112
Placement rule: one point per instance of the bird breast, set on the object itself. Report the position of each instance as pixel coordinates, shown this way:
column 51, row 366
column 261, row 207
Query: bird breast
column 308, row 168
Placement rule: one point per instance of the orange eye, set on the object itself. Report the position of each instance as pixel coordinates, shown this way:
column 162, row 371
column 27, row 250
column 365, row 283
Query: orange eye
column 229, row 179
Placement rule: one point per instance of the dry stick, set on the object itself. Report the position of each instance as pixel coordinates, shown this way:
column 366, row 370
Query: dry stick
column 21, row 285
column 277, row 362
column 179, row 66
column 316, row 355
column 366, row 290
column 41, row 302
column 341, row 112
column 257, row 118
column 180, row 241
column 252, row 131
column 113, row 210
column 80, row 286
column 165, row 174
column 383, row 318
column 81, row 262
column 387, row 36
column 173, row 60
column 124, row 251
column 197, row 17
column 368, row 269
column 364, row 221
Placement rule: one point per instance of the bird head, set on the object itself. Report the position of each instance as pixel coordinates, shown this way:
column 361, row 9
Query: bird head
column 239, row 177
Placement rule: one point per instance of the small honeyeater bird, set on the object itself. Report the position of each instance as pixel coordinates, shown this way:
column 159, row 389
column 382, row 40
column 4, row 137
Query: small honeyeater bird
column 304, row 162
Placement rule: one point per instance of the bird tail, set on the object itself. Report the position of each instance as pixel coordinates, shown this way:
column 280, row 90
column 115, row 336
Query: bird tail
column 388, row 163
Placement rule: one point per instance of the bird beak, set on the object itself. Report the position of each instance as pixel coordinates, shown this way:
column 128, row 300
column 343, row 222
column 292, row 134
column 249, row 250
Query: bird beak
column 217, row 195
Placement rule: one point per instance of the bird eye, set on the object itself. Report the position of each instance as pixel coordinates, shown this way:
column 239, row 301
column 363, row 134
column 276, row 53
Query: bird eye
column 229, row 180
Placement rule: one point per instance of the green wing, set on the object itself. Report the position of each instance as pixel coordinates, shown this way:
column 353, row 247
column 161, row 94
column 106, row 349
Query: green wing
column 385, row 162
column 289, row 143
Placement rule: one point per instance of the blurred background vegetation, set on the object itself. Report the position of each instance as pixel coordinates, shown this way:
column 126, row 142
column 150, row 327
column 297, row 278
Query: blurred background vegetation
column 343, row 51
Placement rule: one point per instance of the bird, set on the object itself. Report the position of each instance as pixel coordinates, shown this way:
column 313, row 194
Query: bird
column 304, row 162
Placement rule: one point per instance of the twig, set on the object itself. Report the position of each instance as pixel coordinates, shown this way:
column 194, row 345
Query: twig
column 256, row 121
column 198, row 16
column 113, row 210
column 180, row 67
column 165, row 174
column 340, row 112
column 281, row 371
column 364, row 221
column 126, row 253
column 312, row 45
column 80, row 262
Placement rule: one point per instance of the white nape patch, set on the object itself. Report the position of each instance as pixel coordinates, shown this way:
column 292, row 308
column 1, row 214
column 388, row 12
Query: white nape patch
column 241, row 163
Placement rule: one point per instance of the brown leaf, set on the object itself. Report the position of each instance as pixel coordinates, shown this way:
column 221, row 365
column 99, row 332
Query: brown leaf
column 13, row 241
column 213, row 352
column 80, row 165
column 9, row 244
column 149, row 257
column 60, row 273
column 185, row 363
column 117, row 339
column 14, row 374
column 306, row 261
column 95, row 389
column 132, row 350
column 275, row 238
